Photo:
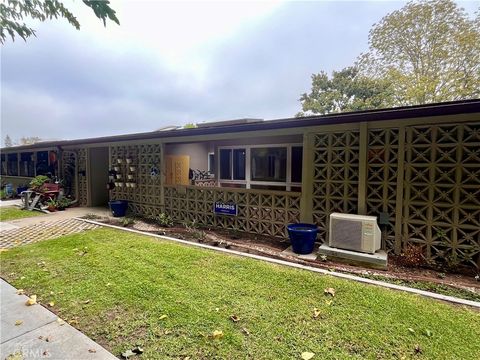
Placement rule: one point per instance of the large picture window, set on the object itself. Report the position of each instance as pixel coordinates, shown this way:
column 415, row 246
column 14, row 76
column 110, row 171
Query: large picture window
column 27, row 164
column 12, row 164
column 254, row 166
column 232, row 164
column 269, row 164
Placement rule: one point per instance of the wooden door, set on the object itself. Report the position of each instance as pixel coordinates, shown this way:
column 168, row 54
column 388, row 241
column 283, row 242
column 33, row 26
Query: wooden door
column 176, row 168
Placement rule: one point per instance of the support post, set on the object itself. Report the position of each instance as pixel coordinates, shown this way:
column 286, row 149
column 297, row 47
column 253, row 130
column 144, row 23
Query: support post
column 308, row 174
column 362, row 169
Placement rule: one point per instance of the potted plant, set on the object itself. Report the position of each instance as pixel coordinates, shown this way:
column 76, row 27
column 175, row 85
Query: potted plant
column 38, row 181
column 63, row 203
column 51, row 205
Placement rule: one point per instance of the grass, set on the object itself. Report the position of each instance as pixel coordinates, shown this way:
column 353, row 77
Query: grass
column 428, row 286
column 12, row 213
column 116, row 287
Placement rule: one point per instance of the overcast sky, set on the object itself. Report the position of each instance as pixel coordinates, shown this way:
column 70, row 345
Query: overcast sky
column 172, row 63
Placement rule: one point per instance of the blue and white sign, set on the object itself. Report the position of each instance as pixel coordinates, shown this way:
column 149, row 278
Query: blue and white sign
column 220, row 208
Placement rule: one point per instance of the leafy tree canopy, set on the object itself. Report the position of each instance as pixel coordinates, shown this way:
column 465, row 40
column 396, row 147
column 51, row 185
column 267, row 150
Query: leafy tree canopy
column 428, row 51
column 12, row 13
column 346, row 90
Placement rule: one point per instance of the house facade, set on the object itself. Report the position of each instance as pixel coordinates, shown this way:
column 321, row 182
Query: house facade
column 416, row 167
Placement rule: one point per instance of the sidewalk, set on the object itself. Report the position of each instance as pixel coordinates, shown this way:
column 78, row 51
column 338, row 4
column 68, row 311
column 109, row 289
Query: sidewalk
column 40, row 335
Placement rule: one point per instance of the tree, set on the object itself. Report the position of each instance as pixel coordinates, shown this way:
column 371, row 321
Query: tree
column 190, row 126
column 346, row 90
column 429, row 51
column 8, row 141
column 29, row 140
column 12, row 13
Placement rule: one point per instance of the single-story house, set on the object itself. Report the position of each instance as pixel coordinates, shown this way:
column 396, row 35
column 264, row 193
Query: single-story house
column 418, row 166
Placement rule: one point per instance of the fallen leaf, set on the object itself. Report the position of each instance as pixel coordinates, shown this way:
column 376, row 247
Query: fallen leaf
column 245, row 331
column 137, row 350
column 17, row 355
column 167, row 332
column 22, row 277
column 51, row 303
column 45, row 353
column 127, row 354
column 32, row 300
column 307, row 355
column 40, row 337
column 86, row 301
column 20, row 292
column 316, row 313
column 217, row 309
column 18, row 322
column 411, row 330
column 92, row 350
column 329, row 302
column 163, row 317
column 329, row 291
column 60, row 322
column 418, row 350
column 234, row 318
column 428, row 333
column 217, row 334
column 73, row 322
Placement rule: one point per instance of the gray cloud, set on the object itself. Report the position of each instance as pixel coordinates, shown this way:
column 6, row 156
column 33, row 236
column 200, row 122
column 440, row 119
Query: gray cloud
column 61, row 86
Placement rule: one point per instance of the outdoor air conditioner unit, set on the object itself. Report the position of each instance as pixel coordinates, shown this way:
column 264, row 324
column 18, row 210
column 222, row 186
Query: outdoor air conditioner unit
column 354, row 232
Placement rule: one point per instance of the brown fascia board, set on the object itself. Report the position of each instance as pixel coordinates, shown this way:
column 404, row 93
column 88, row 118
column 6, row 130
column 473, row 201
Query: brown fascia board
column 400, row 113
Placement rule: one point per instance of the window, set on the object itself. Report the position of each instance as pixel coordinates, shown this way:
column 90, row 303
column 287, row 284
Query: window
column 269, row 164
column 3, row 165
column 232, row 164
column 12, row 164
column 225, row 164
column 297, row 162
column 42, row 163
column 27, row 165
column 239, row 158
column 262, row 167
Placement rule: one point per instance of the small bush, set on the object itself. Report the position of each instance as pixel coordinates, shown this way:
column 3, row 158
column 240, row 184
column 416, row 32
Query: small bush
column 412, row 256
column 38, row 181
column 162, row 219
column 127, row 221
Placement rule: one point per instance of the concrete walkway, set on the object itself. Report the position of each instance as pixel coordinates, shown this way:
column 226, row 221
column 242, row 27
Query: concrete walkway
column 33, row 332
column 48, row 226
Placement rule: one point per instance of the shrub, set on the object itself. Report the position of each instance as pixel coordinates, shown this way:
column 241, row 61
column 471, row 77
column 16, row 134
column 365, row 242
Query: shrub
column 38, row 181
column 412, row 256
column 127, row 221
column 163, row 219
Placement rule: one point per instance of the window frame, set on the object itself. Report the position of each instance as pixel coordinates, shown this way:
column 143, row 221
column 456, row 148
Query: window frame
column 248, row 182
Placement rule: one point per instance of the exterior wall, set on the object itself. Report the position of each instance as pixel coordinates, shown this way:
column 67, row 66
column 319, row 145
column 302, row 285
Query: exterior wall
column 146, row 197
column 198, row 153
column 426, row 178
column 261, row 212
column 98, row 174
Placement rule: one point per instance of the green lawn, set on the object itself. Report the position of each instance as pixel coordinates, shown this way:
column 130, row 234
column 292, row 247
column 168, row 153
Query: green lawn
column 117, row 287
column 12, row 212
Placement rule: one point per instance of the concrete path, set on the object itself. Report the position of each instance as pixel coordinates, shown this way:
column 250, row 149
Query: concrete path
column 49, row 226
column 40, row 335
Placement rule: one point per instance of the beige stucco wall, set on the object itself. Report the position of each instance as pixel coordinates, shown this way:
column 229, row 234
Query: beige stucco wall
column 198, row 153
